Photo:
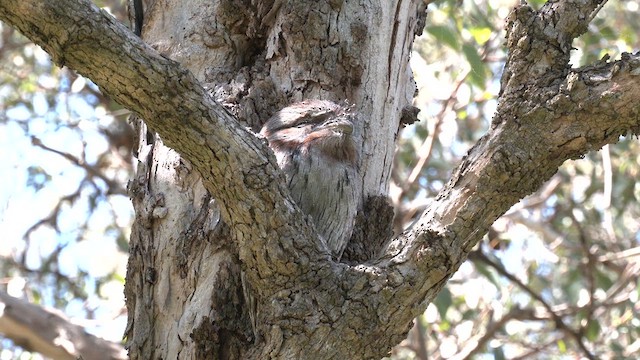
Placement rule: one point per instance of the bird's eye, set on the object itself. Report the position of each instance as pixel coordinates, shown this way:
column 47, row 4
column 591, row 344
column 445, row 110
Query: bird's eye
column 317, row 118
column 305, row 121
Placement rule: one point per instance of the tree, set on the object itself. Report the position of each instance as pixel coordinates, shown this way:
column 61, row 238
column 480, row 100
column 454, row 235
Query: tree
column 183, row 289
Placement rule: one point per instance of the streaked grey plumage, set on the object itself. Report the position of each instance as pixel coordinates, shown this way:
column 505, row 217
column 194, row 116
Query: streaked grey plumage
column 313, row 143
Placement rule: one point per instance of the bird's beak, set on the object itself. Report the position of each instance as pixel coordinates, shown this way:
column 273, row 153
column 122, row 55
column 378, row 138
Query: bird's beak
column 344, row 126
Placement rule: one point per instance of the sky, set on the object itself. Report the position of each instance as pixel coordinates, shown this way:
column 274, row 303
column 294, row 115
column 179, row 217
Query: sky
column 32, row 182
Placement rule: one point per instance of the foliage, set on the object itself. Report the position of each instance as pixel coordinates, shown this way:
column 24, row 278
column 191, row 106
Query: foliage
column 559, row 271
column 65, row 210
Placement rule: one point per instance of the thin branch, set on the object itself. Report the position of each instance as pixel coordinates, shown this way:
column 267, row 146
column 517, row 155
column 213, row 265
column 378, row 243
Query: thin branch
column 113, row 186
column 478, row 255
column 52, row 218
column 421, row 351
column 629, row 274
column 597, row 9
column 607, row 193
column 45, row 270
column 536, row 350
column 491, row 330
column 633, row 252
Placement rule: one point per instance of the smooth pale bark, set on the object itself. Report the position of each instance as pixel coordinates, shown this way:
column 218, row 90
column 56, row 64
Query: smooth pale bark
column 183, row 293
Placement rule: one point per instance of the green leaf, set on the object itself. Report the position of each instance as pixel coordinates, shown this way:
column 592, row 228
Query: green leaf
column 482, row 269
column 593, row 330
column 478, row 72
column 608, row 33
column 446, row 35
column 498, row 354
column 536, row 3
column 442, row 302
column 562, row 347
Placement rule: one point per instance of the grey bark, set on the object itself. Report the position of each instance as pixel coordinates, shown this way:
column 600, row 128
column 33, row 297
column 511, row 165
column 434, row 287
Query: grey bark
column 182, row 285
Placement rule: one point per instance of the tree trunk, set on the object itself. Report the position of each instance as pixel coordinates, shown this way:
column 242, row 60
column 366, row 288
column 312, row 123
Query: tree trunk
column 183, row 285
column 254, row 59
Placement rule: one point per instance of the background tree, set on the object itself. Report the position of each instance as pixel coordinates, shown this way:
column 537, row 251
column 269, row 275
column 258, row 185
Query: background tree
column 65, row 213
column 229, row 74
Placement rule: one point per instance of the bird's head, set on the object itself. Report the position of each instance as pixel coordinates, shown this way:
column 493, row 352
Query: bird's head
column 313, row 125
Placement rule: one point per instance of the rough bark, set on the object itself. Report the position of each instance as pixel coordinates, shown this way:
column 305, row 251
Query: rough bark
column 182, row 282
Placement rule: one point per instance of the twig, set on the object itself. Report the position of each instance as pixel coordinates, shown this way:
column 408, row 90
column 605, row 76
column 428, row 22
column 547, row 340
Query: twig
column 114, row 187
column 608, row 190
column 422, row 352
column 478, row 255
column 492, row 329
column 596, row 10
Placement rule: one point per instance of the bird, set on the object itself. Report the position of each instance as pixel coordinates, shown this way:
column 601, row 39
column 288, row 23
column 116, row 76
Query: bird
column 314, row 144
column 315, row 148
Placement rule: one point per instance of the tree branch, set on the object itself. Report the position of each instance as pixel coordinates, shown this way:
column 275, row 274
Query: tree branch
column 233, row 163
column 478, row 255
column 92, row 171
column 545, row 117
column 50, row 333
